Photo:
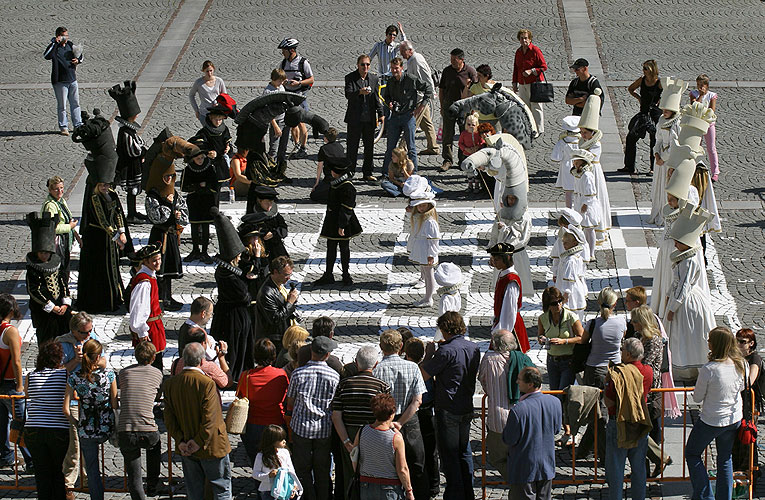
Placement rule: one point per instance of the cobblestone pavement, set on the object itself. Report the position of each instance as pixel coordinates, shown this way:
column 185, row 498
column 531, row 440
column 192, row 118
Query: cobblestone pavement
column 128, row 39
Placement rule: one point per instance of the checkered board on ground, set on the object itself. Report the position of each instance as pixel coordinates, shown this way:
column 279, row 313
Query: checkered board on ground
column 384, row 278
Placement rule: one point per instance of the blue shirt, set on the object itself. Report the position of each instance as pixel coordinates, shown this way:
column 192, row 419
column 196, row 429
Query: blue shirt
column 530, row 438
column 455, row 367
column 313, row 388
column 69, row 350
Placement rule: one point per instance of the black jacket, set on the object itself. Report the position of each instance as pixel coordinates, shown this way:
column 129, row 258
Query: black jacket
column 272, row 312
column 356, row 101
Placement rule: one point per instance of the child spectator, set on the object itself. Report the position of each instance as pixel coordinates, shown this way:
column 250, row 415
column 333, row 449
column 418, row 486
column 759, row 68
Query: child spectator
column 704, row 96
column 399, row 170
column 470, row 141
column 273, row 456
column 275, row 129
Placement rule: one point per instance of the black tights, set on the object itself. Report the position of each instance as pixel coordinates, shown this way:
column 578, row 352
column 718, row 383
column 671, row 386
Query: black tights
column 131, row 201
column 200, row 236
column 165, row 286
column 345, row 254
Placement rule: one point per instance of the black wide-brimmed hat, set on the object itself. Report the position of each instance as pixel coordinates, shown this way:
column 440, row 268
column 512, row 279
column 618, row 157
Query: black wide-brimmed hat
column 148, row 251
column 501, row 249
column 265, row 193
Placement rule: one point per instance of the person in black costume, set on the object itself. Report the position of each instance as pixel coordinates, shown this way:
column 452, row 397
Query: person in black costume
column 273, row 225
column 340, row 223
column 49, row 301
column 200, row 180
column 215, row 139
column 644, row 122
column 130, row 147
column 254, row 262
column 231, row 316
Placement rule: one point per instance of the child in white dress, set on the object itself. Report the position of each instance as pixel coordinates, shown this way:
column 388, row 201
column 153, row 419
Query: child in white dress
column 666, row 133
column 586, row 196
column 568, row 218
column 567, row 141
column 424, row 241
column 570, row 280
column 274, row 455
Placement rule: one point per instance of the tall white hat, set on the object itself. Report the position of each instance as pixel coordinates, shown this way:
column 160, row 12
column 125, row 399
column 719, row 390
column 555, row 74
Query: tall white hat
column 672, row 93
column 591, row 113
column 690, row 224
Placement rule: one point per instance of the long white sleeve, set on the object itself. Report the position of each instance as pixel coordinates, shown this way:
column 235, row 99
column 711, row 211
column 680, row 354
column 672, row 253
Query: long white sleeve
column 509, row 307
column 140, row 308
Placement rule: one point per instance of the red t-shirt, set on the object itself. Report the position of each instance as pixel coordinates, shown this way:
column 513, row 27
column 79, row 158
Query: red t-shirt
column 266, row 389
column 533, row 58
column 242, row 167
column 468, row 140
column 647, row 373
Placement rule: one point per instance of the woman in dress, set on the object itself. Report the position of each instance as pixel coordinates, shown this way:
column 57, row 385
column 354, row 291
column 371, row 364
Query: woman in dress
column 644, row 122
column 208, row 88
column 65, row 234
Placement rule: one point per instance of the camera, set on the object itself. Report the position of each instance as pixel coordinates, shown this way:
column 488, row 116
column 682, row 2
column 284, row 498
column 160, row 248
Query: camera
column 395, row 106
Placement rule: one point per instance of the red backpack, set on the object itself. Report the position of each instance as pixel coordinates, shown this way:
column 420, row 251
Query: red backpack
column 226, row 101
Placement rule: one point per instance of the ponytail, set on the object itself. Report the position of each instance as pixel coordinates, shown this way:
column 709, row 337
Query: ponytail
column 91, row 350
column 606, row 300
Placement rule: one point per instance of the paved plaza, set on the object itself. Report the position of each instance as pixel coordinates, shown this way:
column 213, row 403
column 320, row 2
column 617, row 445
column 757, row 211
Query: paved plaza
column 162, row 44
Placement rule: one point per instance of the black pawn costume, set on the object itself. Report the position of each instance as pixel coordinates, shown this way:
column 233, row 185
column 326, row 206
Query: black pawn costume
column 130, row 146
column 340, row 215
column 272, row 222
column 231, row 316
column 252, row 226
column 99, row 284
column 46, row 285
column 212, row 138
column 201, row 184
column 162, row 203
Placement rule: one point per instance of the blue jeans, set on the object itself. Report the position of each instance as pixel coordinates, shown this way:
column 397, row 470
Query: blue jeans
column 70, row 92
column 216, row 470
column 453, row 436
column 559, row 372
column 395, row 126
column 374, row 491
column 701, row 435
column 615, row 460
column 90, row 448
column 390, row 188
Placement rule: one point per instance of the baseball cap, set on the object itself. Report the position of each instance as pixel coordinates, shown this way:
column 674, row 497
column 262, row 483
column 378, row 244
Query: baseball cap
column 580, row 63
column 323, row 345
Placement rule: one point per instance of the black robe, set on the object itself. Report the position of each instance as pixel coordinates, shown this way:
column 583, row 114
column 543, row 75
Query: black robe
column 130, row 153
column 231, row 318
column 200, row 199
column 275, row 225
column 209, row 138
column 340, row 213
column 45, row 283
column 99, row 284
column 165, row 230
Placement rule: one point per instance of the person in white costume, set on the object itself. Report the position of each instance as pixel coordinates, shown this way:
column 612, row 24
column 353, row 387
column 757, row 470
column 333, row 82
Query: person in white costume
column 423, row 243
column 567, row 140
column 586, row 196
column 570, row 280
column 449, row 279
column 570, row 219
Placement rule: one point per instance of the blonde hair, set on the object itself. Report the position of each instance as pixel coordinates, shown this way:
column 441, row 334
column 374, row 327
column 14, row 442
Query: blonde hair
column 419, row 218
column 700, row 181
column 401, row 160
column 91, row 350
column 472, row 118
column 54, row 180
column 653, row 68
column 606, row 301
column 644, row 317
column 722, row 346
column 292, row 335
column 390, row 341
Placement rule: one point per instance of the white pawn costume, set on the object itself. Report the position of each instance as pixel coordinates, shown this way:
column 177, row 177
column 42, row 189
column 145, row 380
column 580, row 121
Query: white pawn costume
column 590, row 119
column 692, row 311
column 587, row 195
column 574, row 220
column 506, row 161
column 666, row 133
column 570, row 279
column 449, row 279
column 424, row 241
column 567, row 140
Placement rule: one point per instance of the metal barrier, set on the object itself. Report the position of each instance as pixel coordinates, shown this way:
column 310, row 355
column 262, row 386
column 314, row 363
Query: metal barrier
column 747, row 477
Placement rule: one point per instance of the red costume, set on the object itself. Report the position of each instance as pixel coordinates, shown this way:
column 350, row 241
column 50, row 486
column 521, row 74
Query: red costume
column 499, row 295
column 156, row 327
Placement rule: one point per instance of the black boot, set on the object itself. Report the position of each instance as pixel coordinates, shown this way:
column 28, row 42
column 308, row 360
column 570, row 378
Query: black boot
column 195, row 238
column 326, row 279
column 168, row 304
column 205, row 237
column 347, row 280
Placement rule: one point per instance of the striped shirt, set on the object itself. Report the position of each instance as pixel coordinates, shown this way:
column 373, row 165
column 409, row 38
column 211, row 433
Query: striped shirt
column 403, row 377
column 312, row 387
column 377, row 453
column 46, row 399
column 353, row 396
column 494, row 376
column 139, row 385
column 385, row 53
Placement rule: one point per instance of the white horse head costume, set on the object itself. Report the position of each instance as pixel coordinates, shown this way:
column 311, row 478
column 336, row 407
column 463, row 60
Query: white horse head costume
column 504, row 160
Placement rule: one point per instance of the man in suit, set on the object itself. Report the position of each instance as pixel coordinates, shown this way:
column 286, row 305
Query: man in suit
column 194, row 419
column 275, row 308
column 364, row 112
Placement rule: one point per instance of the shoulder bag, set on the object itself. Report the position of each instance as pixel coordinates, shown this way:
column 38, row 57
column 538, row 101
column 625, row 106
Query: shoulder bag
column 542, row 91
column 236, row 417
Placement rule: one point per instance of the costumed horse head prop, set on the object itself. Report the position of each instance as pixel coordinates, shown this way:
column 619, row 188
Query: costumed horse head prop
column 505, row 160
column 512, row 112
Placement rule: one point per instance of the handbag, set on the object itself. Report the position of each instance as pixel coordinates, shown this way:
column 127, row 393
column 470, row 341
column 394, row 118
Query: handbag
column 542, row 91
column 354, row 488
column 664, row 356
column 283, row 485
column 747, row 432
column 582, row 351
column 236, row 417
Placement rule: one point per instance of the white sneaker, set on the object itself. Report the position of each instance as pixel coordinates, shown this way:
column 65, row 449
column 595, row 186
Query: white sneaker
column 423, row 303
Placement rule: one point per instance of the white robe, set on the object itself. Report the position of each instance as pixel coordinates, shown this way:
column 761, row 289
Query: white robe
column 709, row 203
column 425, row 242
column 562, row 154
column 451, row 301
column 601, row 232
column 571, row 280
column 517, row 234
column 509, row 311
column 586, row 192
column 664, row 138
column 693, row 317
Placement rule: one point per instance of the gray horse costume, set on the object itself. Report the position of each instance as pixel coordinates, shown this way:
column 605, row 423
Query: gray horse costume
column 513, row 114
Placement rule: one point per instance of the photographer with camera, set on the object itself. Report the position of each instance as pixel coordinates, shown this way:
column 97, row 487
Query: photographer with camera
column 401, row 97
column 65, row 58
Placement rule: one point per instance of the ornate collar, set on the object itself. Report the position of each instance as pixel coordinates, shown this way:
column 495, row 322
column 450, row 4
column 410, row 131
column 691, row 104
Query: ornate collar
column 125, row 123
column 345, row 177
column 450, row 290
column 670, row 214
column 567, row 134
column 50, row 267
column 668, row 123
column 677, row 255
column 592, row 141
column 571, row 251
column 227, row 266
column 191, row 165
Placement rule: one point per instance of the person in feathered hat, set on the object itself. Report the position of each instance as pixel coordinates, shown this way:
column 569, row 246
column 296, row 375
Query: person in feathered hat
column 231, row 316
column 273, row 224
column 200, row 181
column 49, row 301
column 567, row 140
column 104, row 230
column 214, row 139
column 145, row 309
column 448, row 276
column 586, row 196
column 340, row 223
column 571, row 270
column 167, row 210
column 425, row 236
column 255, row 259
column 689, row 315
column 507, row 295
column 130, row 147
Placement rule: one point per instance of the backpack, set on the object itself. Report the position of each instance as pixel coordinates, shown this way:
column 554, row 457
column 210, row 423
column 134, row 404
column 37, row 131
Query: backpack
column 226, row 101
column 301, row 69
column 436, row 77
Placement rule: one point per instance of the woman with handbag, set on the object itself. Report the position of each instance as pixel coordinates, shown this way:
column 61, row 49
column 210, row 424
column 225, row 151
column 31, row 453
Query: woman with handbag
column 96, row 388
column 718, row 389
column 747, row 344
column 644, row 122
column 528, row 68
column 380, row 462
